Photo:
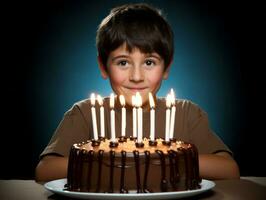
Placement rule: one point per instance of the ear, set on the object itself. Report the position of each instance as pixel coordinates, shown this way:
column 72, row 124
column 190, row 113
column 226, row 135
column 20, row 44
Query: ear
column 166, row 73
column 102, row 68
column 167, row 70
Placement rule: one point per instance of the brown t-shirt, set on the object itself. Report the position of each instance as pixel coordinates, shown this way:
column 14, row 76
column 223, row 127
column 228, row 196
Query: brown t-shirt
column 191, row 125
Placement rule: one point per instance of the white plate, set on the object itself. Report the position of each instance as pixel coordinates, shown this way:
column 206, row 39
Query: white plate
column 57, row 187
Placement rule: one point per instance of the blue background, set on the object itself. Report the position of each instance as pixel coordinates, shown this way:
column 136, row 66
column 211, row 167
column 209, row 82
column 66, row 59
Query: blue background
column 54, row 65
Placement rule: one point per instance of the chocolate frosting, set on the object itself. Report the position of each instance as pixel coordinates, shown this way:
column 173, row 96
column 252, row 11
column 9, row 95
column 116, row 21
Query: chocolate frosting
column 176, row 164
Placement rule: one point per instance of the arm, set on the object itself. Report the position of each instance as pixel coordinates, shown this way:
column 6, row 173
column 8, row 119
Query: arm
column 73, row 128
column 50, row 168
column 212, row 166
column 218, row 166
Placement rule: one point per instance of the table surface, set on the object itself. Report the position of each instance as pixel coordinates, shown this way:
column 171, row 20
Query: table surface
column 253, row 188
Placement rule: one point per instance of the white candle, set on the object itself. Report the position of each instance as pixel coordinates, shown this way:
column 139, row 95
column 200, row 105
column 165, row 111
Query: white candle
column 167, row 117
column 134, row 116
column 173, row 109
column 152, row 118
column 123, row 120
column 100, row 101
column 139, row 111
column 94, row 120
column 112, row 113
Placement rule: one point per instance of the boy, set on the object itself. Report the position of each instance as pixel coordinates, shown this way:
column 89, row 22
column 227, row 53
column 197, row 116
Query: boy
column 135, row 50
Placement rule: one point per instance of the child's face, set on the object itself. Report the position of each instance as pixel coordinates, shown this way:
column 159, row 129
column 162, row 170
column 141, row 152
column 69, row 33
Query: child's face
column 131, row 72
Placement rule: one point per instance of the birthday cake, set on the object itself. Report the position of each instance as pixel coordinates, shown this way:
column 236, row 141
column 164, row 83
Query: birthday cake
column 128, row 168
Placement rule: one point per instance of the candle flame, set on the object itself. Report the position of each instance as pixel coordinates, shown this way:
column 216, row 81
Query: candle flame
column 133, row 100
column 172, row 93
column 152, row 104
column 112, row 100
column 168, row 100
column 138, row 100
column 100, row 100
column 93, row 99
column 122, row 100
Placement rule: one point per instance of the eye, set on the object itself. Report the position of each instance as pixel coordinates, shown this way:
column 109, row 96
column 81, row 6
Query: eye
column 122, row 63
column 150, row 62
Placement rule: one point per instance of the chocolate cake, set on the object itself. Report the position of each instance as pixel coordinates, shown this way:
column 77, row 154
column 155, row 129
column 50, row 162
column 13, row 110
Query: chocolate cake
column 128, row 168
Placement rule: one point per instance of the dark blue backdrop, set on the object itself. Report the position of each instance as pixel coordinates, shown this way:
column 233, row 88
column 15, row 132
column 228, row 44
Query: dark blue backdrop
column 54, row 64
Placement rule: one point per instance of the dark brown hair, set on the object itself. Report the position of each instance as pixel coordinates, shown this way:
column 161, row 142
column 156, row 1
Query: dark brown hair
column 137, row 25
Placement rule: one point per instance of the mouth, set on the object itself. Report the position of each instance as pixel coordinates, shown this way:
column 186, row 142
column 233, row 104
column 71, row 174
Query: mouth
column 136, row 89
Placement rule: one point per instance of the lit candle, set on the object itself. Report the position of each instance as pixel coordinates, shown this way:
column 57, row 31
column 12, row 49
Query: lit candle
column 139, row 111
column 100, row 101
column 134, row 116
column 152, row 117
column 173, row 109
column 94, row 120
column 167, row 117
column 123, row 126
column 112, row 113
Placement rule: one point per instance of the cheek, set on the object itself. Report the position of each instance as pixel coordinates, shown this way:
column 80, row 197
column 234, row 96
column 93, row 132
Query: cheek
column 155, row 78
column 117, row 77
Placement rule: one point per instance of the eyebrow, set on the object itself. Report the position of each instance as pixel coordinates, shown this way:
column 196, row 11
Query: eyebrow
column 155, row 55
column 118, row 57
column 146, row 55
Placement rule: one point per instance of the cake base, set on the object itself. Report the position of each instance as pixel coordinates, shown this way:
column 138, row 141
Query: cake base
column 126, row 167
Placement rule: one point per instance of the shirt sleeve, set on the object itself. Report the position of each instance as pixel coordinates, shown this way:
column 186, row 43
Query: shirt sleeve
column 73, row 128
column 201, row 134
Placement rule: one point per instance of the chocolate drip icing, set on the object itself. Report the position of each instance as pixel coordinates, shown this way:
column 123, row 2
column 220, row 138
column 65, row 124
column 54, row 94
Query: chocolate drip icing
column 177, row 173
column 196, row 163
column 136, row 158
column 84, row 170
column 147, row 165
column 122, row 178
column 173, row 172
column 189, row 168
column 100, row 160
column 112, row 165
column 85, row 162
column 70, row 169
column 90, row 162
column 75, row 171
column 164, row 184
column 78, row 169
column 195, row 170
column 186, row 155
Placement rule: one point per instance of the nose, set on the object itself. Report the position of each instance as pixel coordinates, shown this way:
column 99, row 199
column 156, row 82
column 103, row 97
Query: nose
column 136, row 74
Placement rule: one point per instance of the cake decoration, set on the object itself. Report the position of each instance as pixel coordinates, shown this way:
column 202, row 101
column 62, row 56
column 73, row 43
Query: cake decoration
column 133, row 164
